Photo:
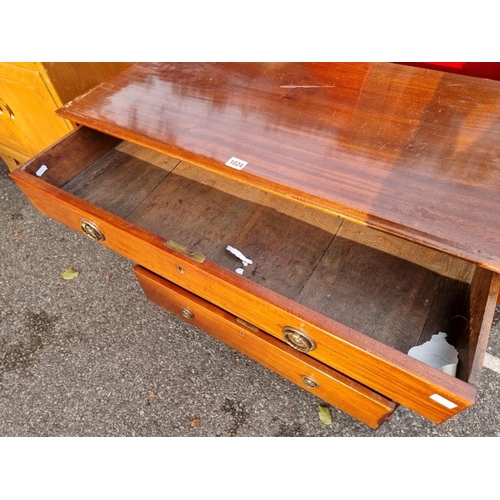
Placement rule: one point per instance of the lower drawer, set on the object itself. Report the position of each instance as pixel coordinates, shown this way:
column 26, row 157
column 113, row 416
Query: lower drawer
column 331, row 386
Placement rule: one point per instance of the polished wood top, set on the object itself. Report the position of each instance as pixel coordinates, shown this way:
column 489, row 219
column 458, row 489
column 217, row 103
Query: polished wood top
column 413, row 152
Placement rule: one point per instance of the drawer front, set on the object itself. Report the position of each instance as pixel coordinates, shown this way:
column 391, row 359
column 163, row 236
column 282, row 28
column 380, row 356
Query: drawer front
column 333, row 387
column 387, row 371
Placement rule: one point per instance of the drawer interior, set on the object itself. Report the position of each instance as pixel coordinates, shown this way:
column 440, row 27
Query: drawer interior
column 391, row 290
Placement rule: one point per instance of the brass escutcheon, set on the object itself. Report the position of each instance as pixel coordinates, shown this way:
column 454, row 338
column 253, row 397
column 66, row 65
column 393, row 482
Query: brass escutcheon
column 91, row 230
column 298, row 339
column 187, row 313
column 310, row 382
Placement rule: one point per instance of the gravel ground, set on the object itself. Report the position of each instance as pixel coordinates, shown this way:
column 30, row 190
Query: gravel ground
column 92, row 357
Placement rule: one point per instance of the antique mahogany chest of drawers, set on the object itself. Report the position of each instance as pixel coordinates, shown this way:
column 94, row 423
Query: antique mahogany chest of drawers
column 322, row 219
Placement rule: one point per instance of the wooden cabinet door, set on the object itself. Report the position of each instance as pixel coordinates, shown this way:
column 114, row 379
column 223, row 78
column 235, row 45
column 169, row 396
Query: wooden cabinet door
column 28, row 110
column 8, row 136
column 12, row 158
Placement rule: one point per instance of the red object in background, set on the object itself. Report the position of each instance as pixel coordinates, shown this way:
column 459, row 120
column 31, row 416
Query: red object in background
column 489, row 70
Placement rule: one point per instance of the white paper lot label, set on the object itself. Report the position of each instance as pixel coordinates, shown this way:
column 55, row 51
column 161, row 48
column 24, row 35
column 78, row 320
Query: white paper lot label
column 41, row 170
column 443, row 401
column 236, row 163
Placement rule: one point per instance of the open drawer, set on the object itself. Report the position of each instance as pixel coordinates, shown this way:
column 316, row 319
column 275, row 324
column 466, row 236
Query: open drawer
column 353, row 298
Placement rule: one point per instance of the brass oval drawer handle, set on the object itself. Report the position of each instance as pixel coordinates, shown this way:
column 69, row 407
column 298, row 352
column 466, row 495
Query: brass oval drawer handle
column 298, row 339
column 310, row 382
column 186, row 313
column 92, row 231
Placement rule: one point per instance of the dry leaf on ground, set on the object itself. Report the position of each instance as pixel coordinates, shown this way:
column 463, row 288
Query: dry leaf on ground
column 70, row 274
column 325, row 415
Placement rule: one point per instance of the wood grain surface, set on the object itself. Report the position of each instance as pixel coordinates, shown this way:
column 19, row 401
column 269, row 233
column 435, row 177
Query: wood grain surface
column 411, row 151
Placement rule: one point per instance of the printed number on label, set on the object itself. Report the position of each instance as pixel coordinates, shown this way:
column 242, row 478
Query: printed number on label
column 236, row 163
